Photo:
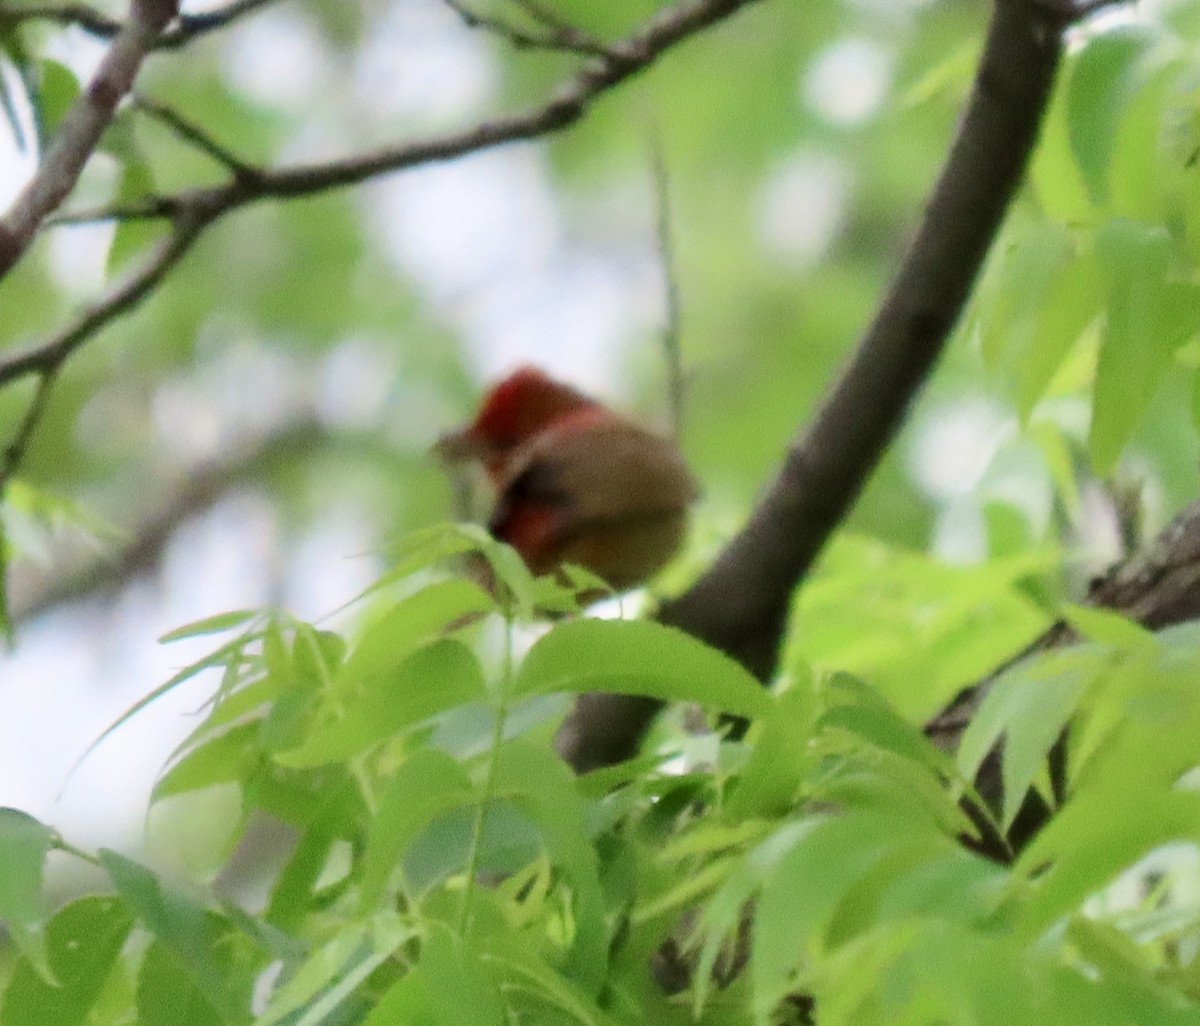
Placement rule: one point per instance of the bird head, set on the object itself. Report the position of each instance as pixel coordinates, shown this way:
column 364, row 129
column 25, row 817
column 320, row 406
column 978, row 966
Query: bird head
column 516, row 409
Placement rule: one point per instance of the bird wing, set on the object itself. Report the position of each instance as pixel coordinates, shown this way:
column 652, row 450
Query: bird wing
column 602, row 473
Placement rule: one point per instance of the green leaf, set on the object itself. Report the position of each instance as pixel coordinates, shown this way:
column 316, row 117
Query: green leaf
column 459, row 987
column 386, row 935
column 440, row 676
column 190, row 932
column 411, row 622
column 1106, row 627
column 426, row 785
column 1111, row 951
column 955, row 886
column 782, row 756
column 1056, row 177
column 435, row 545
column 1144, row 174
column 1085, row 849
column 812, row 880
column 240, row 703
column 210, row 625
column 688, row 891
column 58, row 88
column 83, row 941
column 333, row 960
column 524, row 970
column 1139, row 336
column 134, row 234
column 721, row 915
column 316, row 657
column 1030, row 704
column 1072, row 300
column 539, row 784
column 1056, row 451
column 407, row 1001
column 862, row 712
column 227, row 758
column 1104, row 75
column 292, row 895
column 1026, row 267
column 227, row 655
column 24, row 844
column 638, row 657
column 167, row 995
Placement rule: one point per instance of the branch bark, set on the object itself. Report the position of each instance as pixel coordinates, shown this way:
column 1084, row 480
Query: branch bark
column 1158, row 588
column 49, row 355
column 82, row 128
column 740, row 605
column 196, row 209
column 186, row 28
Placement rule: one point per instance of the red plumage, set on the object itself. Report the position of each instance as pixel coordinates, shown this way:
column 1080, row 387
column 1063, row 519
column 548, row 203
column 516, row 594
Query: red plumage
column 575, row 482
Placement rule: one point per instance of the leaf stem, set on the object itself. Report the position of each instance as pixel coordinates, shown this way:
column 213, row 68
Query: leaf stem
column 489, row 781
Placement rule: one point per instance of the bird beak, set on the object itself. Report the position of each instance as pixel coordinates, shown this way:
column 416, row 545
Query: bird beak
column 461, row 446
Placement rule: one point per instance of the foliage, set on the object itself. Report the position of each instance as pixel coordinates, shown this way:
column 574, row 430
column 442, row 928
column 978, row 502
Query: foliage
column 446, row 867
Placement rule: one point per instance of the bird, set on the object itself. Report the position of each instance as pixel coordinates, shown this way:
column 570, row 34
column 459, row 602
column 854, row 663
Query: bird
column 573, row 481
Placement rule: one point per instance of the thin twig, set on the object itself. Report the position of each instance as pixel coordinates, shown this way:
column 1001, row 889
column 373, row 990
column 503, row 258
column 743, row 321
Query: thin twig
column 568, row 104
column 1067, row 11
column 81, row 129
column 14, row 453
column 194, row 135
column 85, row 17
column 191, row 212
column 186, row 28
column 671, row 331
column 151, row 207
column 47, row 360
column 560, row 38
column 51, row 353
column 570, row 33
column 549, row 18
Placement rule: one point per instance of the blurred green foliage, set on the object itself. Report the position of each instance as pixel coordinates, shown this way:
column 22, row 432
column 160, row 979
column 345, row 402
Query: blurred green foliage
column 446, row 867
column 411, row 758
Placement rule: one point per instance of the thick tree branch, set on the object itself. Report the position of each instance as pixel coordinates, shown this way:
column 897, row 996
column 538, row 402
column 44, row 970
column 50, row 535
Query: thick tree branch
column 1158, row 588
column 740, row 605
column 82, row 127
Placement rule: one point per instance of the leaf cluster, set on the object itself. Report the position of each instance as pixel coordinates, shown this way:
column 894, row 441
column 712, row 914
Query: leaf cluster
column 446, row 867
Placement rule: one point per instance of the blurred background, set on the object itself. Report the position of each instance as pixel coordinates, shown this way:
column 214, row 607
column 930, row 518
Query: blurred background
column 255, row 432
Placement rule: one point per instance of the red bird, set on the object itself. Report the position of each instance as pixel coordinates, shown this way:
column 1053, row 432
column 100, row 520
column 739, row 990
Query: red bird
column 575, row 482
